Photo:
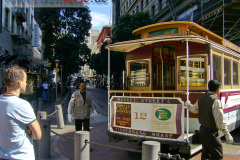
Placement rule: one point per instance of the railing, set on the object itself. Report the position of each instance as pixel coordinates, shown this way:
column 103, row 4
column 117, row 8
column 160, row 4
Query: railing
column 150, row 149
column 147, row 92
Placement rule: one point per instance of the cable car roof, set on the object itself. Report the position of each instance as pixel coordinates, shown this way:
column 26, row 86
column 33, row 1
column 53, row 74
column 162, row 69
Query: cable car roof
column 128, row 46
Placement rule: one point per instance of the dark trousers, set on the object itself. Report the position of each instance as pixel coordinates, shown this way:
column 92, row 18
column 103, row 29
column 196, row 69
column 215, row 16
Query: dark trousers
column 79, row 122
column 211, row 144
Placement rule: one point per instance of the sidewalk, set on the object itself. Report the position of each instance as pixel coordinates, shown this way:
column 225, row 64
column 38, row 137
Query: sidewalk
column 63, row 149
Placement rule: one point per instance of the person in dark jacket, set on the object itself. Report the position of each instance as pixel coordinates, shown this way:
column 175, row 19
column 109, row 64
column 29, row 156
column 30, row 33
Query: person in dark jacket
column 211, row 118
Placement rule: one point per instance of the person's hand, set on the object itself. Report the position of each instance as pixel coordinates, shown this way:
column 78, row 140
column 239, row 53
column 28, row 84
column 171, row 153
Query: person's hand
column 188, row 103
column 70, row 118
column 228, row 137
column 29, row 131
column 94, row 112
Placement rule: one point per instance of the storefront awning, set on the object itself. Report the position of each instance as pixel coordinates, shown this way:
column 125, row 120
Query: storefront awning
column 8, row 58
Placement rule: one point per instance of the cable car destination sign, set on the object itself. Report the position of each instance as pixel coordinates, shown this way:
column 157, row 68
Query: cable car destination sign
column 148, row 117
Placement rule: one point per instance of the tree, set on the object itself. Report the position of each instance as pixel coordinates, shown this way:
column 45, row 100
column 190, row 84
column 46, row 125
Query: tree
column 64, row 31
column 76, row 23
column 50, row 25
column 121, row 32
column 127, row 24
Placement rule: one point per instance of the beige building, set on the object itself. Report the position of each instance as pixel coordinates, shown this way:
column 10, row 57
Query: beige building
column 91, row 42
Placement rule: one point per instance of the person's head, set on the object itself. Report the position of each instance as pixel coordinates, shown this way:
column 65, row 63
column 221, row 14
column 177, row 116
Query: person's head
column 82, row 86
column 15, row 77
column 214, row 86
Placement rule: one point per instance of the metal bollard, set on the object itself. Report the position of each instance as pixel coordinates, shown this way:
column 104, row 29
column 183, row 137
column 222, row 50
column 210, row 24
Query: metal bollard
column 40, row 108
column 59, row 116
column 64, row 106
column 41, row 115
column 44, row 142
column 150, row 150
column 81, row 149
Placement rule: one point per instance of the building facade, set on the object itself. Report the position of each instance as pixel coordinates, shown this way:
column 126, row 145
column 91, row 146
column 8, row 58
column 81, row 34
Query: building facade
column 221, row 17
column 104, row 35
column 21, row 38
column 91, row 42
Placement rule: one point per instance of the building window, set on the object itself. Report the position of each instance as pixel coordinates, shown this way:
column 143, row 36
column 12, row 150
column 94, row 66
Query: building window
column 27, row 16
column 32, row 22
column 133, row 12
column 159, row 5
column 153, row 11
column 6, row 18
column 147, row 2
column 127, row 5
column 13, row 25
column 137, row 9
column 18, row 27
column 141, row 6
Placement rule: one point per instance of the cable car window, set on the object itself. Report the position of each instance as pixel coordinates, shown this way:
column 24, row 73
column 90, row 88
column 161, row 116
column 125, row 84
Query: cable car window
column 139, row 74
column 235, row 73
column 217, row 74
column 197, row 72
column 227, row 71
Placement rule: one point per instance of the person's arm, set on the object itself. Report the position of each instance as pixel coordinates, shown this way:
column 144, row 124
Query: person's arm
column 218, row 115
column 191, row 107
column 36, row 132
column 70, row 106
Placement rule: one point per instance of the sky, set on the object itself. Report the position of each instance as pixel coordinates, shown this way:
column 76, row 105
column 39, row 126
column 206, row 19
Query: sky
column 101, row 13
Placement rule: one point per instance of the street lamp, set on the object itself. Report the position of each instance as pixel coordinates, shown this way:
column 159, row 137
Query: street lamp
column 61, row 80
column 56, row 63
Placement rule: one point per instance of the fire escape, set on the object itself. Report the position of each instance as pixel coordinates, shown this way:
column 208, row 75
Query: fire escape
column 221, row 17
column 172, row 8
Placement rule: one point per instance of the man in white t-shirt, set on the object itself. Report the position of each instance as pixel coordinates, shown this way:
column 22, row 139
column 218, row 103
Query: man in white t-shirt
column 18, row 121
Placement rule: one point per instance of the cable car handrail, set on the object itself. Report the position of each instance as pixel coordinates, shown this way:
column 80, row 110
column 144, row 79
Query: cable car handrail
column 151, row 92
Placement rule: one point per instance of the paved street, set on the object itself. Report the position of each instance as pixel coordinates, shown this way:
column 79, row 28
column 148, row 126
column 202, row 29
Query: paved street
column 63, row 149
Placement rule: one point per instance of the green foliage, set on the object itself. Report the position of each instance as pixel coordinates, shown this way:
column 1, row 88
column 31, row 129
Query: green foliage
column 121, row 32
column 64, row 30
column 128, row 23
column 99, row 62
column 76, row 22
column 50, row 25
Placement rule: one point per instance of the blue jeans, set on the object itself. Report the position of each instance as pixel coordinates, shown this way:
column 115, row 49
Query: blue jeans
column 45, row 95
